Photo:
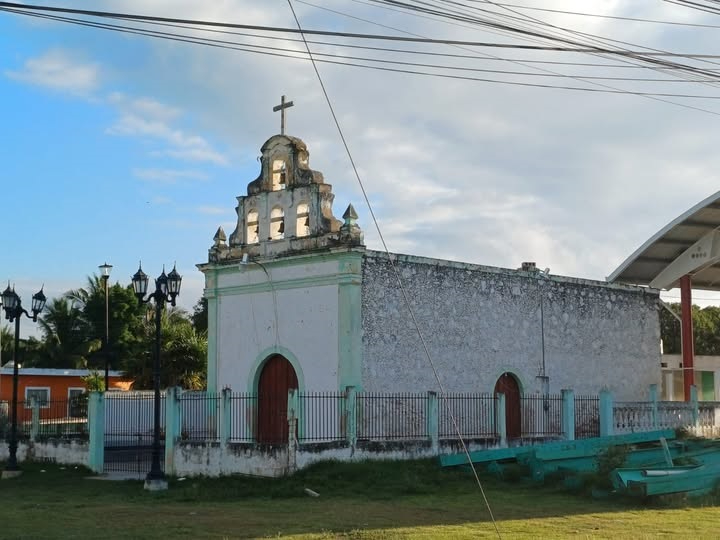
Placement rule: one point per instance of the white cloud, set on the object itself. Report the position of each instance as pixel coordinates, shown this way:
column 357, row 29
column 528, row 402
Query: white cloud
column 148, row 118
column 58, row 70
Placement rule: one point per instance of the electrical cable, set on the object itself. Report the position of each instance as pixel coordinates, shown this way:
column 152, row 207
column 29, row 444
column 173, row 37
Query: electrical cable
column 216, row 43
column 397, row 273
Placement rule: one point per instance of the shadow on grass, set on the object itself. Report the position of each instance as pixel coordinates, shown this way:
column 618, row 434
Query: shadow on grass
column 353, row 496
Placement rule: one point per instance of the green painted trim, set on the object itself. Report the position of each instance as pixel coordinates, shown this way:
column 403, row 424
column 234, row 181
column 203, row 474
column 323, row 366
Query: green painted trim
column 432, row 421
column 256, row 369
column 351, row 416
column 286, row 261
column 568, row 416
column 260, row 360
column 654, row 405
column 350, row 325
column 607, row 421
column 96, row 429
column 501, row 420
column 297, row 283
column 212, row 348
column 173, row 423
column 226, row 416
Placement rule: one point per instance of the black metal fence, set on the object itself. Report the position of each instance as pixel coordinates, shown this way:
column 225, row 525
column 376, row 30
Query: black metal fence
column 321, row 416
column 391, row 416
column 243, row 417
column 55, row 419
column 474, row 415
column 587, row 417
column 129, row 427
column 200, row 415
column 541, row 415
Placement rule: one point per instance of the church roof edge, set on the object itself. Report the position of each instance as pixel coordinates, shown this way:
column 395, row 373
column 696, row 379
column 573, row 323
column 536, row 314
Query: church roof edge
column 507, row 271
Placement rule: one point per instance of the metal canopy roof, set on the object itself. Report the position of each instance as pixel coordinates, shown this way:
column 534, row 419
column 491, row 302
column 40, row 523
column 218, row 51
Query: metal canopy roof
column 665, row 246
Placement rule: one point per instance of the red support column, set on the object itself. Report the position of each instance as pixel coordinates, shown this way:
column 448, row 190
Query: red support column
column 686, row 335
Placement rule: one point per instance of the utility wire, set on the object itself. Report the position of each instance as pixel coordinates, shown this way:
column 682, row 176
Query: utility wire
column 395, row 270
column 145, row 18
column 292, row 54
column 600, row 16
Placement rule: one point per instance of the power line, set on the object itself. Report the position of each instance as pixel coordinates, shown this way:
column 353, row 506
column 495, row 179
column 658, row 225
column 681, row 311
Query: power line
column 397, row 273
column 599, row 16
column 292, row 54
column 145, row 18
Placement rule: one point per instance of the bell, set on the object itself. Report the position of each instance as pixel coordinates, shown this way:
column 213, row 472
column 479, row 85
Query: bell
column 281, row 228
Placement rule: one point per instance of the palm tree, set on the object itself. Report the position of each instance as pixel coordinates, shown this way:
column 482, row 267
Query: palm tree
column 66, row 341
column 7, row 343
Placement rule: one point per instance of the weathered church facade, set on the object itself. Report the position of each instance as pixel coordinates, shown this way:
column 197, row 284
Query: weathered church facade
column 295, row 300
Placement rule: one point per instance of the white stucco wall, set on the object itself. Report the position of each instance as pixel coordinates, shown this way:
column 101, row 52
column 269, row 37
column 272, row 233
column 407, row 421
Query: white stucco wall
column 292, row 308
column 479, row 322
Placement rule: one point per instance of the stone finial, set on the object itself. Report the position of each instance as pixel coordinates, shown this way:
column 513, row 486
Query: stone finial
column 350, row 232
column 219, row 237
column 350, row 216
column 219, row 248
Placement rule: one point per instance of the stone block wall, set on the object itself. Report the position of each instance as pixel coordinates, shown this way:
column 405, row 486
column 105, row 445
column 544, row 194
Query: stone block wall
column 479, row 322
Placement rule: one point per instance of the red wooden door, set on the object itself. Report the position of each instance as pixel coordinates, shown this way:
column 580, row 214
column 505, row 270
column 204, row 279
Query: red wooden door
column 507, row 384
column 276, row 378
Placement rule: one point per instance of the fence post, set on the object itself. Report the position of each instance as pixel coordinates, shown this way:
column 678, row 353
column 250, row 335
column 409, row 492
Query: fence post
column 568, row 414
column 654, row 405
column 695, row 405
column 432, row 421
column 606, row 413
column 35, row 419
column 292, row 417
column 173, row 427
column 500, row 420
column 96, row 431
column 226, row 416
column 351, row 416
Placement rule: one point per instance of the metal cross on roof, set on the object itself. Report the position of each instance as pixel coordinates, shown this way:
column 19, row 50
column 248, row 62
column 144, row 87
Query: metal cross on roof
column 283, row 105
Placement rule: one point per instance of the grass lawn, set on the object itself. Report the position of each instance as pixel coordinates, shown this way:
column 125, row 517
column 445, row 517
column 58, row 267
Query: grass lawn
column 363, row 501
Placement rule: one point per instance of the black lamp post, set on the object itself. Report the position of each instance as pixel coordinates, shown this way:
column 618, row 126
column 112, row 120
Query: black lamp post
column 105, row 275
column 13, row 311
column 167, row 287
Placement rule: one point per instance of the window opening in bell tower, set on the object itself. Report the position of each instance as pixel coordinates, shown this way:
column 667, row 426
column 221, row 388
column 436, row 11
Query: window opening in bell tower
column 277, row 224
column 302, row 226
column 279, row 175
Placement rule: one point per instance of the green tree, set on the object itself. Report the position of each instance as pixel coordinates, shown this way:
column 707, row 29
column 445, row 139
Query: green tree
column 65, row 340
column 125, row 334
column 183, row 352
column 200, row 315
column 7, row 343
column 706, row 329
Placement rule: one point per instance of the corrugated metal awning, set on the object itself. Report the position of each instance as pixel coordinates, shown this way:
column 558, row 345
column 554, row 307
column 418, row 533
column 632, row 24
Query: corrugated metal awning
column 669, row 243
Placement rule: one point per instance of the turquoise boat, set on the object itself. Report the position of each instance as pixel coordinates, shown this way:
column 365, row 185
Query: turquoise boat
column 647, row 482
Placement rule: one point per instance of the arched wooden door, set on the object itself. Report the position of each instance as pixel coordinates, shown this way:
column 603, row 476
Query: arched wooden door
column 508, row 385
column 276, row 378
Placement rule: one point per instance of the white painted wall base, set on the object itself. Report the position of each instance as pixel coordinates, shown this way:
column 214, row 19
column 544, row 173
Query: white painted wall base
column 63, row 452
column 217, row 460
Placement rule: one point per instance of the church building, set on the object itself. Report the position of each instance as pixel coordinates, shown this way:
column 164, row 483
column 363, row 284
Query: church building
column 296, row 300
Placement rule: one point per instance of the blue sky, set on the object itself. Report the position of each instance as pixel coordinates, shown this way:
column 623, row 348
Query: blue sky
column 119, row 148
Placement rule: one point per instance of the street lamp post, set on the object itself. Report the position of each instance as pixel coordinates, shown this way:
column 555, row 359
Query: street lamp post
column 167, row 287
column 13, row 311
column 105, row 275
